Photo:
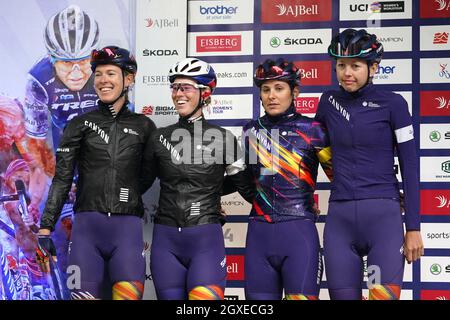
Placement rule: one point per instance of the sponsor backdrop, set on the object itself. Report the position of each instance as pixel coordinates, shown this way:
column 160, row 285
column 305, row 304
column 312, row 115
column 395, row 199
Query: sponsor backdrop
column 236, row 35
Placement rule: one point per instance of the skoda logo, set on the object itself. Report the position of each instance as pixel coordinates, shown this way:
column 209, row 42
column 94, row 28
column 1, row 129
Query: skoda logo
column 435, row 269
column 435, row 136
column 275, row 42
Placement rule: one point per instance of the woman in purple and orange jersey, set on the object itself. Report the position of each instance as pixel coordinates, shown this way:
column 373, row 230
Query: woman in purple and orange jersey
column 283, row 150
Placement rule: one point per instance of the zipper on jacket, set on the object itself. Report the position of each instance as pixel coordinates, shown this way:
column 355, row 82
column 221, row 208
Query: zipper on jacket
column 113, row 163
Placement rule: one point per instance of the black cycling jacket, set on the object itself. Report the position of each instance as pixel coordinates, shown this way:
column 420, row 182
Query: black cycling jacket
column 190, row 159
column 108, row 152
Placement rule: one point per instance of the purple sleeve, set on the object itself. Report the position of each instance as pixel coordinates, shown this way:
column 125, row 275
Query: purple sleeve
column 406, row 150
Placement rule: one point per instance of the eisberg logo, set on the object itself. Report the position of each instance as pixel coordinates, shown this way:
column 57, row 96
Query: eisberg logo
column 219, row 43
column 218, row 10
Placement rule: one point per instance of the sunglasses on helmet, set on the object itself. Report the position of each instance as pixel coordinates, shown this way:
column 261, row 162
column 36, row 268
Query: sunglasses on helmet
column 105, row 54
column 351, row 51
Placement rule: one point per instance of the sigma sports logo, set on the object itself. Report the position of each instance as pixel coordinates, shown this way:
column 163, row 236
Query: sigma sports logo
column 440, row 38
column 159, row 110
column 379, row 7
column 434, row 9
column 300, row 11
column 147, row 110
column 218, row 10
column 159, row 52
column 97, row 130
column 223, row 43
column 161, row 23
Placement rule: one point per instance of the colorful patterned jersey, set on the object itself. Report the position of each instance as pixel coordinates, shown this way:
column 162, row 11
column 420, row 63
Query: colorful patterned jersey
column 283, row 154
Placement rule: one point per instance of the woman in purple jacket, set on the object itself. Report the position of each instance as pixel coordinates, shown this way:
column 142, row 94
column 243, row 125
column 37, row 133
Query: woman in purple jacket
column 366, row 127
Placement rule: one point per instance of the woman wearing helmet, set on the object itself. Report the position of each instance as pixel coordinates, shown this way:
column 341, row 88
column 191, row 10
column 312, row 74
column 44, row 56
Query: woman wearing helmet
column 283, row 150
column 190, row 159
column 366, row 125
column 108, row 147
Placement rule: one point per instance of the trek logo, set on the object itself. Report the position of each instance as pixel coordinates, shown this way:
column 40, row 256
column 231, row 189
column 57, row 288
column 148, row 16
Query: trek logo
column 159, row 53
column 440, row 38
column 302, row 10
column 161, row 23
column 379, row 7
column 224, row 43
column 339, row 108
column 97, row 130
column 74, row 105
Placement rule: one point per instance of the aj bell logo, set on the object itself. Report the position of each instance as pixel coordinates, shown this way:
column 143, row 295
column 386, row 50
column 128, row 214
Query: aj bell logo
column 297, row 10
column 443, row 5
column 443, row 103
column 443, row 202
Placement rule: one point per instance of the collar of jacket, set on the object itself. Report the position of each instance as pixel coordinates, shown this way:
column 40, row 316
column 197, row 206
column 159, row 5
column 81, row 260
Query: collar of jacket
column 106, row 109
column 187, row 123
column 367, row 89
column 289, row 114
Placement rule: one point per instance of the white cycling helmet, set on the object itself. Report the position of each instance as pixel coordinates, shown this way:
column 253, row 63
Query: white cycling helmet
column 196, row 69
column 71, row 34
